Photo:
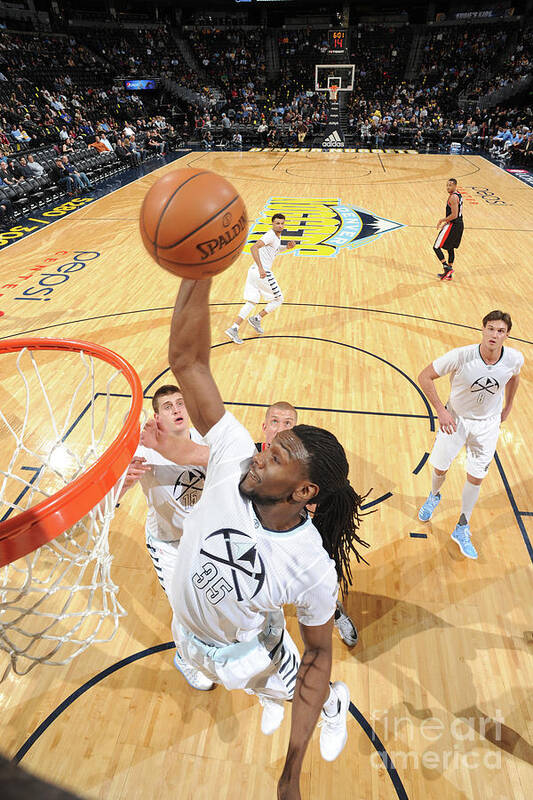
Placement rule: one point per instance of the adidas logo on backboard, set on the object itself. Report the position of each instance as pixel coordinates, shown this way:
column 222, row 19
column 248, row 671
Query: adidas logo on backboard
column 333, row 140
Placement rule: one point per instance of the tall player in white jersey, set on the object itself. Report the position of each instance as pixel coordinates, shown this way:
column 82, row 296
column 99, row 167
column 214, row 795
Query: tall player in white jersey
column 283, row 416
column 481, row 375
column 261, row 282
column 249, row 547
column 170, row 466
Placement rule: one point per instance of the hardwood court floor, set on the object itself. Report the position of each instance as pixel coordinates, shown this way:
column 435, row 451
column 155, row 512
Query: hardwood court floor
column 441, row 678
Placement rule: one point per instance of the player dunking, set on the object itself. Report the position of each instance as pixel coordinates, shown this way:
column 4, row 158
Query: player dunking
column 261, row 282
column 282, row 416
column 451, row 230
column 480, row 376
column 249, row 547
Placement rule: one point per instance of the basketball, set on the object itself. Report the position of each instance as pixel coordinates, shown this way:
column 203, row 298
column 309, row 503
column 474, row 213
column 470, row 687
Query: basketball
column 193, row 223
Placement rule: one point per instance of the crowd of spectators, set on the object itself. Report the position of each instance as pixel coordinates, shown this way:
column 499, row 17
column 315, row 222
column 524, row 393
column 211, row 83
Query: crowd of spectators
column 383, row 109
column 230, row 59
column 517, row 65
column 281, row 123
column 455, row 60
column 299, row 51
column 136, row 52
column 32, row 180
column 61, row 91
column 386, row 111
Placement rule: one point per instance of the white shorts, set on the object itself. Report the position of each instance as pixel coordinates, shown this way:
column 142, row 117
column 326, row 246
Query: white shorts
column 257, row 288
column 480, row 436
column 266, row 666
column 163, row 555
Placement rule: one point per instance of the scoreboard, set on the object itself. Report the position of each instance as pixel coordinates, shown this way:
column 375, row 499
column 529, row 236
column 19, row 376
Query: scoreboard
column 337, row 41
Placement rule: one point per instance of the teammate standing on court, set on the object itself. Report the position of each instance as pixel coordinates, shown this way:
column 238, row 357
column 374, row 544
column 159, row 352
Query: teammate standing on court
column 480, row 376
column 282, row 416
column 170, row 465
column 249, row 548
column 261, row 282
column 451, row 230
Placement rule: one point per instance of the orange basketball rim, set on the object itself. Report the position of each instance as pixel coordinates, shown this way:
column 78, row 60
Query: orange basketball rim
column 33, row 527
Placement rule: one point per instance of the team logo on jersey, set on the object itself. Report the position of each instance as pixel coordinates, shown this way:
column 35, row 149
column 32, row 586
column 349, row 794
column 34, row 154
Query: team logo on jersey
column 241, row 564
column 321, row 226
column 188, row 487
column 484, row 386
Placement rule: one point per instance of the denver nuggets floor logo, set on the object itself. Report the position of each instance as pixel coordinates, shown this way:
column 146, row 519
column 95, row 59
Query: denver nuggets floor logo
column 321, row 226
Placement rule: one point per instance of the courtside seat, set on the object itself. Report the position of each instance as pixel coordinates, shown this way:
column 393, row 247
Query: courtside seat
column 46, row 186
column 35, row 191
column 20, row 200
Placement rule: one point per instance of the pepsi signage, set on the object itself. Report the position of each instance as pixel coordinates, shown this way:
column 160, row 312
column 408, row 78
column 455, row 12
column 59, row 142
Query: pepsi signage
column 139, row 84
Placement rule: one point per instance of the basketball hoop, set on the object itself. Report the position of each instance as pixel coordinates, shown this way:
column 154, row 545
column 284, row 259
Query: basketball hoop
column 333, row 91
column 58, row 493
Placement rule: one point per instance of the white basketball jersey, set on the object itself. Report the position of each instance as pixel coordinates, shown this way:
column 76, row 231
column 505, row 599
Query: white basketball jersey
column 477, row 389
column 268, row 253
column 232, row 572
column 171, row 491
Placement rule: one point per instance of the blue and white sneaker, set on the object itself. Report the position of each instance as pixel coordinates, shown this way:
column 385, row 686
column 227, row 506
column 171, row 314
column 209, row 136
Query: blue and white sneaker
column 461, row 536
column 193, row 676
column 426, row 511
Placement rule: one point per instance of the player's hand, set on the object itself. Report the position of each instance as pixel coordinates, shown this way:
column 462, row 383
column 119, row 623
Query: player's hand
column 136, row 470
column 262, row 274
column 447, row 422
column 291, row 244
column 151, row 434
column 440, row 223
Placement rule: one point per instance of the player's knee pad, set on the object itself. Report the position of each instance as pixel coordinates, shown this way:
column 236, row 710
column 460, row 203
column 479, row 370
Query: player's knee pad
column 246, row 310
column 274, row 304
column 438, row 252
column 451, row 256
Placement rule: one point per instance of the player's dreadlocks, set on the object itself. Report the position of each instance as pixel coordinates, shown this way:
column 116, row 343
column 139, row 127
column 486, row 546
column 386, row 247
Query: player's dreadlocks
column 338, row 513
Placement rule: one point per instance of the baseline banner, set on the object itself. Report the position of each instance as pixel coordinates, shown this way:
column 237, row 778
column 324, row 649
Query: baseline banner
column 524, row 175
column 334, row 137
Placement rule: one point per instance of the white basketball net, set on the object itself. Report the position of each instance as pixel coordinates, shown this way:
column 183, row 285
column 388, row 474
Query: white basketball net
column 60, row 599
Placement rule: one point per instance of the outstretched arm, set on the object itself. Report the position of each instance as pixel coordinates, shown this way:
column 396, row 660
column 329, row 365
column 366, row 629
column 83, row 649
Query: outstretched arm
column 188, row 354
column 310, row 694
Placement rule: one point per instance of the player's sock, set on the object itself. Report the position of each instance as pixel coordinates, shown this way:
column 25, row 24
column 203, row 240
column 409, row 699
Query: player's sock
column 436, row 482
column 469, row 499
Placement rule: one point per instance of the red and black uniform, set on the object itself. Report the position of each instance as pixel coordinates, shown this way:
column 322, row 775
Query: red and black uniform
column 451, row 232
